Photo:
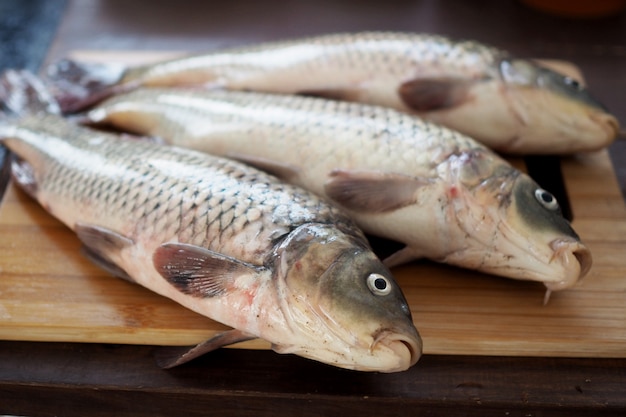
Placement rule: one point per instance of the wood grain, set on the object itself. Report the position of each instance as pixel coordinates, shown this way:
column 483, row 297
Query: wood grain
column 49, row 292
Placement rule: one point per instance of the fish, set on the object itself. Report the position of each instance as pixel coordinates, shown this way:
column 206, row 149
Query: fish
column 443, row 195
column 228, row 241
column 511, row 105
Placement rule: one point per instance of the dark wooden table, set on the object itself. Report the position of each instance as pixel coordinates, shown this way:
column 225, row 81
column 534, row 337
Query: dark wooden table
column 50, row 379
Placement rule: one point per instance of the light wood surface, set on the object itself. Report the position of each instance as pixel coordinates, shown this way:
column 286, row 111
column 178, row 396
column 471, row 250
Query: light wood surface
column 49, row 292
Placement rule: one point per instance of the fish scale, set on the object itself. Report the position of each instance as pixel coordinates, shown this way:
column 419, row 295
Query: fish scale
column 144, row 194
column 343, row 50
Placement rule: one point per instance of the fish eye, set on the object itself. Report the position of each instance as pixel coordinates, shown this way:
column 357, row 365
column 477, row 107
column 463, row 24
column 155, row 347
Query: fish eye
column 378, row 284
column 546, row 199
column 572, row 83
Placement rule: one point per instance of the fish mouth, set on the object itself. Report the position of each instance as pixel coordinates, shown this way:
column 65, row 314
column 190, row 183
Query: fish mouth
column 575, row 256
column 609, row 123
column 407, row 349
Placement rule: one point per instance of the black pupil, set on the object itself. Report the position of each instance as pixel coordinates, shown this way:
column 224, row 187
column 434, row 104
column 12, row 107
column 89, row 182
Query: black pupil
column 572, row 82
column 380, row 283
column 547, row 197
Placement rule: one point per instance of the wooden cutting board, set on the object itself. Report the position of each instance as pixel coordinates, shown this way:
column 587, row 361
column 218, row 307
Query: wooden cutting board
column 49, row 292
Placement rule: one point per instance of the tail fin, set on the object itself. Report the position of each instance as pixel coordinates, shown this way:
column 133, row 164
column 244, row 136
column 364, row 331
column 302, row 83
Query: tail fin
column 79, row 85
column 21, row 92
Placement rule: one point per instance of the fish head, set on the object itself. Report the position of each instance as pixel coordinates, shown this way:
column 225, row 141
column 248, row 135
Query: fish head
column 512, row 227
column 556, row 248
column 555, row 113
column 343, row 306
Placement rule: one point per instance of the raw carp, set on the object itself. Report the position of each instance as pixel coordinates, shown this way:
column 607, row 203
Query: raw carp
column 228, row 241
column 511, row 105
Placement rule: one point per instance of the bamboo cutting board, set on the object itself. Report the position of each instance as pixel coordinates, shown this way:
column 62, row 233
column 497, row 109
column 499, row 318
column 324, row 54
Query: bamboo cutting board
column 49, row 292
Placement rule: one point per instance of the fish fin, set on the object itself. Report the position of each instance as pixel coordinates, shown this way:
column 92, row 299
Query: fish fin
column 430, row 94
column 372, row 191
column 403, row 256
column 546, row 296
column 78, row 85
column 105, row 264
column 23, row 174
column 345, row 94
column 98, row 243
column 279, row 169
column 22, row 92
column 170, row 356
column 197, row 271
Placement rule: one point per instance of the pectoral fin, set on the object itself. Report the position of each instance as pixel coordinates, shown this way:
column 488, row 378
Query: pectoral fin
column 431, row 94
column 279, row 169
column 371, row 191
column 100, row 245
column 197, row 271
column 171, row 356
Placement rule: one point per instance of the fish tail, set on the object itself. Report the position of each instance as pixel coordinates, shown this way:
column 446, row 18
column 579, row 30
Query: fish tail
column 78, row 85
column 22, row 92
